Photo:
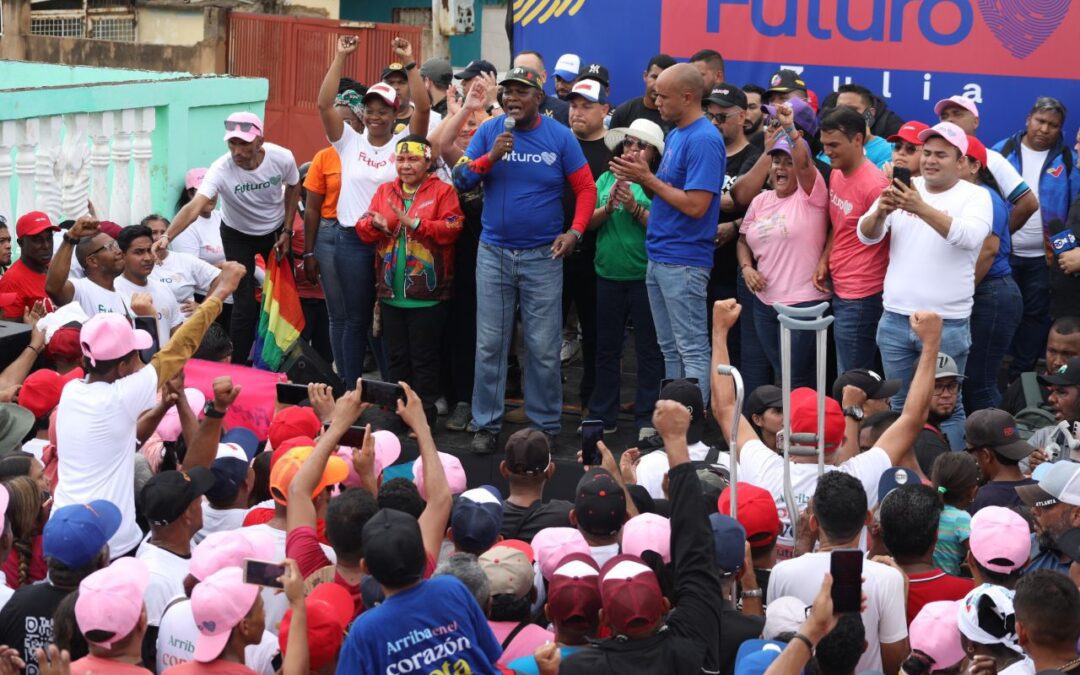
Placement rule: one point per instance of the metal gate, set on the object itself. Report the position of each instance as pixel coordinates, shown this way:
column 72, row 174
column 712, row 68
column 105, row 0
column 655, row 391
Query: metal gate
column 293, row 54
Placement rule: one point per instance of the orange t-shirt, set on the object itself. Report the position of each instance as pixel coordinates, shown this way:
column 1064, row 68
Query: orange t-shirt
column 324, row 177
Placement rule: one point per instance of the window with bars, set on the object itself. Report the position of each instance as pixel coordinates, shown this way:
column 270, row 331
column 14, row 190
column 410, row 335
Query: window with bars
column 112, row 20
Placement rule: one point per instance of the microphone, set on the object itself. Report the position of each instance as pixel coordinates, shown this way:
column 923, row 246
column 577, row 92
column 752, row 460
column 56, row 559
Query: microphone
column 509, row 123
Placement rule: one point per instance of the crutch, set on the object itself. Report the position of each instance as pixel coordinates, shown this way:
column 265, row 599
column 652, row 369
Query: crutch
column 803, row 444
column 733, row 443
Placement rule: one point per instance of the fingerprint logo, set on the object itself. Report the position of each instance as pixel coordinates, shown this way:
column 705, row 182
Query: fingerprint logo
column 527, row 11
column 1022, row 26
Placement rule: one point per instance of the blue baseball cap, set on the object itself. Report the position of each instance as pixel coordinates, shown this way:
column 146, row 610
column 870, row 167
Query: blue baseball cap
column 76, row 534
column 245, row 438
column 229, row 475
column 893, row 478
column 755, row 656
column 476, row 519
column 729, row 543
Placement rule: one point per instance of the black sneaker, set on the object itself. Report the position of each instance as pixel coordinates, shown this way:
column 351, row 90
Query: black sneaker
column 485, row 443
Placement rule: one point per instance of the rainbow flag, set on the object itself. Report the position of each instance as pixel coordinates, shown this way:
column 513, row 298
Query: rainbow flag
column 281, row 319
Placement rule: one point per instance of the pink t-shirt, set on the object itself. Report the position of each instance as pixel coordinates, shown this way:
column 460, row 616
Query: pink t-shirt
column 857, row 270
column 93, row 665
column 787, row 236
column 524, row 643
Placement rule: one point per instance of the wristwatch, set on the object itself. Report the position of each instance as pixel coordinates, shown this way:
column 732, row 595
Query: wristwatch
column 210, row 411
column 752, row 593
column 855, row 412
column 410, row 65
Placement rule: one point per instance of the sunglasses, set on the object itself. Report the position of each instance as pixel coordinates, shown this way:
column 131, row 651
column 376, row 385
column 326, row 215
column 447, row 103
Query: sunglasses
column 951, row 387
column 241, row 126
column 112, row 246
column 719, row 117
column 906, row 148
column 636, row 143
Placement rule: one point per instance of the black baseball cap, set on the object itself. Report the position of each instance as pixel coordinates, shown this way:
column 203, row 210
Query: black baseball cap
column 167, row 495
column 996, row 429
column 393, row 548
column 599, row 503
column 394, row 68
column 727, row 95
column 528, row 452
column 875, row 386
column 764, row 397
column 595, row 71
column 1066, row 376
column 689, row 394
column 475, row 68
column 523, row 75
column 784, row 81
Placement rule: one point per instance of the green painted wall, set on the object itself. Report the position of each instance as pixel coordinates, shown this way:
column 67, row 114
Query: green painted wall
column 190, row 112
column 463, row 48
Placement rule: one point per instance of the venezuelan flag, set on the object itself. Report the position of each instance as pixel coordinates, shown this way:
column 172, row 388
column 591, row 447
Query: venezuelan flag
column 281, row 319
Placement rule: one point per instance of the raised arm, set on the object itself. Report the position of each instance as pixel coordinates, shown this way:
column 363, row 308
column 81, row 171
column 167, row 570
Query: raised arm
column 443, row 136
column 203, row 448
column 899, row 439
column 331, row 120
column 60, row 290
column 439, row 501
column 725, row 314
column 752, row 182
column 184, row 217
column 421, row 116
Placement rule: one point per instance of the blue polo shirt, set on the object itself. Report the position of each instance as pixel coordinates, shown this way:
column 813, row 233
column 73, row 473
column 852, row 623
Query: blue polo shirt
column 694, row 159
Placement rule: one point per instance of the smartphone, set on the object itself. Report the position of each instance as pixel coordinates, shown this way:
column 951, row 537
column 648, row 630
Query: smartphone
column 292, row 394
column 846, row 569
column 382, row 393
column 668, row 380
column 353, row 437
column 902, row 174
column 263, row 573
column 592, row 432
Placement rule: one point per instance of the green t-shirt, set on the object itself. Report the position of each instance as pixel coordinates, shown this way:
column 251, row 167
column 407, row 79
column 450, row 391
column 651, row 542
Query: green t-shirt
column 620, row 242
column 400, row 262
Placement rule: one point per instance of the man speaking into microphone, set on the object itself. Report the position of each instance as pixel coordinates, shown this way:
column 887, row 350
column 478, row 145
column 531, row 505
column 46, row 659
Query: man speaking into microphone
column 523, row 161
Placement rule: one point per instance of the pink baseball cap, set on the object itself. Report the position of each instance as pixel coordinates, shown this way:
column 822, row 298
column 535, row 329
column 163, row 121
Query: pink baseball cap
column 647, row 532
column 110, row 336
column 218, row 604
column 455, row 474
column 387, row 451
column 384, row 92
column 956, row 102
column 169, row 426
column 1000, row 539
column 229, row 549
column 934, row 632
column 552, row 544
column 194, row 178
column 952, row 134
column 243, row 125
column 111, row 600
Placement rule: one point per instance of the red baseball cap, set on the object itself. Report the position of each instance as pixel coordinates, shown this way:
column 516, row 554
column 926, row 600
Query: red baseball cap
column 574, row 590
column 330, row 610
column 110, row 228
column 804, row 417
column 40, row 392
column 976, row 150
column 756, row 513
column 292, row 422
column 909, row 132
column 34, row 222
column 631, row 595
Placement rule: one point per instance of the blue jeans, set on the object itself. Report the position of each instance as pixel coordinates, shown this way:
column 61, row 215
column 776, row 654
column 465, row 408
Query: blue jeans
column 347, row 273
column 803, row 345
column 1033, row 277
column 994, row 319
column 504, row 278
column 753, row 364
column 677, row 298
column 900, row 350
column 617, row 301
column 855, row 331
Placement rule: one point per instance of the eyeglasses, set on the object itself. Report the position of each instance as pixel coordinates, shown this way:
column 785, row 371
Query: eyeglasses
column 241, row 126
column 631, row 142
column 719, row 117
column 951, row 387
column 905, row 148
column 112, row 246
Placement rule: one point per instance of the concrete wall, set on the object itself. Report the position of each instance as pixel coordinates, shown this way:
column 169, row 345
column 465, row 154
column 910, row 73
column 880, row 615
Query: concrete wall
column 170, row 25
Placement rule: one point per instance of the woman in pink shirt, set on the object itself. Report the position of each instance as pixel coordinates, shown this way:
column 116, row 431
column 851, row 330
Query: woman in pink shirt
column 780, row 243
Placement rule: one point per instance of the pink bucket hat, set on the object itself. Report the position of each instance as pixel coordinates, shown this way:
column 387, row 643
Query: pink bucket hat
column 243, row 125
column 111, row 599
column 218, row 604
column 109, row 336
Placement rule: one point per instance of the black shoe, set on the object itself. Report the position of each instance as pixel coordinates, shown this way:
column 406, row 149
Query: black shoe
column 485, row 443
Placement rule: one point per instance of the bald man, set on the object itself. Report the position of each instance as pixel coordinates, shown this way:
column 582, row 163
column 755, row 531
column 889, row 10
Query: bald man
column 682, row 225
column 551, row 106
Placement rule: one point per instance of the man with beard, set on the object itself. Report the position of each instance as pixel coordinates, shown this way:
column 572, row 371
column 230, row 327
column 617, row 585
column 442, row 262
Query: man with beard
column 755, row 115
column 100, row 256
column 644, row 106
column 931, row 441
column 5, row 245
column 1055, row 506
column 24, row 283
column 1064, row 401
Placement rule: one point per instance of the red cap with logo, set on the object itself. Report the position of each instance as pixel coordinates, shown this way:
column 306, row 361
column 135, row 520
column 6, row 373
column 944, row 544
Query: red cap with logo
column 292, row 422
column 909, row 132
column 34, row 222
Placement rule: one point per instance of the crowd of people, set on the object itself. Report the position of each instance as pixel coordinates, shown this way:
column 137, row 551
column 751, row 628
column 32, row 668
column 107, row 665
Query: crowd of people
column 460, row 243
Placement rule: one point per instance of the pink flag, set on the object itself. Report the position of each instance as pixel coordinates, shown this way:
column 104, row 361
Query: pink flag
column 254, row 407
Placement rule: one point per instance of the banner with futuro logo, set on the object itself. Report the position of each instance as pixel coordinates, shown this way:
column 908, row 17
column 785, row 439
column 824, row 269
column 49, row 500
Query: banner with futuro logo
column 1001, row 53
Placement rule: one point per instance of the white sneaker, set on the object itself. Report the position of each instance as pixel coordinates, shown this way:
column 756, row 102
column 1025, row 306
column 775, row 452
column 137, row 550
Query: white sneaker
column 645, row 432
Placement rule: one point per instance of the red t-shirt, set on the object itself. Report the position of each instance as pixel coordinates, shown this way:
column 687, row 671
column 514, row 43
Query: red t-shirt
column 932, row 586
column 857, row 270
column 20, row 288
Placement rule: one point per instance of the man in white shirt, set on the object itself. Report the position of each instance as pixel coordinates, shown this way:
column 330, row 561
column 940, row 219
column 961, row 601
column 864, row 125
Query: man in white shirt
column 761, row 466
column 100, row 257
column 97, row 416
column 837, row 515
column 226, row 503
column 938, row 226
column 134, row 242
column 184, row 273
column 259, row 187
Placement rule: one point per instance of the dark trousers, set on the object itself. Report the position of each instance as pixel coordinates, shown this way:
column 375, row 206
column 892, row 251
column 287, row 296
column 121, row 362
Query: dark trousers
column 995, row 317
column 317, row 326
column 413, row 339
column 243, row 248
column 753, row 363
column 579, row 288
column 459, row 343
column 1033, row 277
column 618, row 302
